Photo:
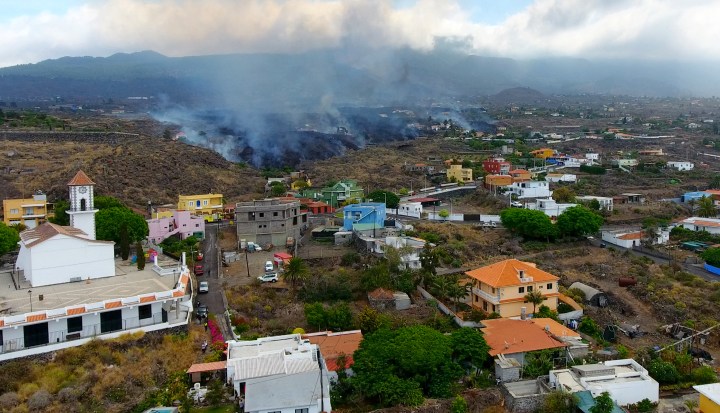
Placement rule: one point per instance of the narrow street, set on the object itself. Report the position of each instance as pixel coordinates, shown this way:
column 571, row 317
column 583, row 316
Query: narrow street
column 211, row 263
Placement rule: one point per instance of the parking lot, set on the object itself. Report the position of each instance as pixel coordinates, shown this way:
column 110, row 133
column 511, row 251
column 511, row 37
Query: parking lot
column 236, row 273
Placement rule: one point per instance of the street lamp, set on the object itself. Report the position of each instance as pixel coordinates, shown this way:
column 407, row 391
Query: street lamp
column 30, row 293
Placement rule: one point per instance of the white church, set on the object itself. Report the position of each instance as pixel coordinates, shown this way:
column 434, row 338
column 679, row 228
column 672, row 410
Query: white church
column 67, row 287
column 54, row 254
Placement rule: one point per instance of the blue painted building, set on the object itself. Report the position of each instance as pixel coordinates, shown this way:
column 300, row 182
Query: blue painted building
column 364, row 213
column 693, row 195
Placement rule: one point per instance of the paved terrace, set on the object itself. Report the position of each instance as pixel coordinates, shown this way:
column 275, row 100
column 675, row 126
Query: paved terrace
column 128, row 282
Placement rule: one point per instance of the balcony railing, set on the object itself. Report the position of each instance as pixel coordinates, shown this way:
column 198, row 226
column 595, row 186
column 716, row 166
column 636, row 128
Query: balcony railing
column 88, row 331
column 495, row 299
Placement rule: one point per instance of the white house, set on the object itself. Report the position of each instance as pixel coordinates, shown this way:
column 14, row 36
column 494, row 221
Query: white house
column 627, row 381
column 681, row 165
column 413, row 246
column 549, row 207
column 629, row 162
column 408, row 209
column 561, row 178
column 530, row 189
column 593, row 157
column 279, row 374
column 711, row 225
column 67, row 288
column 630, row 238
column 606, row 203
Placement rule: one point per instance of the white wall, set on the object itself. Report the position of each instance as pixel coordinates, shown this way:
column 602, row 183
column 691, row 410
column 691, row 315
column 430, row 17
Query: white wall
column 613, row 239
column 61, row 258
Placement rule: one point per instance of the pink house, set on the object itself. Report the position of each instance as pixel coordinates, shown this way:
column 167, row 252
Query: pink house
column 182, row 222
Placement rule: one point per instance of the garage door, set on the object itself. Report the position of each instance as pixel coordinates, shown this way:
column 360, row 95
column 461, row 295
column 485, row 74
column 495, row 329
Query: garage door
column 111, row 321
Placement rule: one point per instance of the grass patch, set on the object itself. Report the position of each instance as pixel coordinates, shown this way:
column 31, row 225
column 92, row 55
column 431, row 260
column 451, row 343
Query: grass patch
column 223, row 408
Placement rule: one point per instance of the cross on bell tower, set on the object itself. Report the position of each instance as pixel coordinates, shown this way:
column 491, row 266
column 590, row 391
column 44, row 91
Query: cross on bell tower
column 82, row 204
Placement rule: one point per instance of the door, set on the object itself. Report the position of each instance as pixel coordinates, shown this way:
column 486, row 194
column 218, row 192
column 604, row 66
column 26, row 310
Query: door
column 36, row 335
column 111, row 321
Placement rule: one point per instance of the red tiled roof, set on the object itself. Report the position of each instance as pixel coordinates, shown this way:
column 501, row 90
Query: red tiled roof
column 36, row 317
column 506, row 336
column 2, row 323
column 147, row 299
column 80, row 179
column 178, row 293
column 47, row 230
column 332, row 345
column 424, row 200
column 204, row 367
column 506, row 273
column 76, row 310
column 332, row 365
column 113, row 304
column 632, row 235
column 381, row 294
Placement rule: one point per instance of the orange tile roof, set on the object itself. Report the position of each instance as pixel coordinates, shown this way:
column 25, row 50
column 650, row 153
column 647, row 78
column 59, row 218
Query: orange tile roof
column 706, row 223
column 505, row 273
column 113, row 304
column 381, row 294
column 632, row 235
column 2, row 323
column 36, row 317
column 555, row 328
column 147, row 299
column 204, row 367
column 75, row 311
column 178, row 293
column 80, row 179
column 332, row 345
column 505, row 336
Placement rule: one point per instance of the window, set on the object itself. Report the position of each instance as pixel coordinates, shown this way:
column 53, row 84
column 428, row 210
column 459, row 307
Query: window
column 301, row 410
column 205, row 202
column 485, row 307
column 275, row 214
column 529, row 288
column 74, row 324
column 549, row 286
column 477, row 298
column 145, row 311
column 521, row 290
column 190, row 204
column 493, row 290
column 14, row 211
column 262, row 215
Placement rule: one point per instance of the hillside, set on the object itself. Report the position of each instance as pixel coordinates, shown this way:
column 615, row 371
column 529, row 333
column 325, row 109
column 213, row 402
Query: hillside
column 135, row 169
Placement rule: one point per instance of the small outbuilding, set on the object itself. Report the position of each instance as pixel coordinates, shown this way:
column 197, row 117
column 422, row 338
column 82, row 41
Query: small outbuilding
column 593, row 296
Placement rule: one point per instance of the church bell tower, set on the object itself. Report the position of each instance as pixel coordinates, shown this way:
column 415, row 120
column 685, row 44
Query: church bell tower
column 82, row 204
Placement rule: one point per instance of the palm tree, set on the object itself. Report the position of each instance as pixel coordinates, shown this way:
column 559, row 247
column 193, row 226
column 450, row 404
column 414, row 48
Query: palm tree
column 534, row 297
column 458, row 291
column 296, row 271
column 706, row 207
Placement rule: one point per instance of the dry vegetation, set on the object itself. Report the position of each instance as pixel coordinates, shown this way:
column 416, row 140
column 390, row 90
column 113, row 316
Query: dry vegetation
column 110, row 376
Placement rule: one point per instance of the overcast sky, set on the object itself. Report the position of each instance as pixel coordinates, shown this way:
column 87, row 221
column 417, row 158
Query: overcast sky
column 34, row 30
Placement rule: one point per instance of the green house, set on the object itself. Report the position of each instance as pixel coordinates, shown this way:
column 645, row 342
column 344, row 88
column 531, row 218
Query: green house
column 341, row 192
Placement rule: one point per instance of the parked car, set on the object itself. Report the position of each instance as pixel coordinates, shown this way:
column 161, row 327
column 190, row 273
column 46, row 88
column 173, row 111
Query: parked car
column 269, row 267
column 516, row 204
column 251, row 246
column 270, row 277
column 199, row 256
column 204, row 287
column 202, row 311
column 199, row 270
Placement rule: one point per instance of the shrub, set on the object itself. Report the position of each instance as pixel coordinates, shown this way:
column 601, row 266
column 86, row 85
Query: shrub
column 9, row 400
column 40, row 400
column 590, row 327
column 704, row 375
column 664, row 372
column 459, row 405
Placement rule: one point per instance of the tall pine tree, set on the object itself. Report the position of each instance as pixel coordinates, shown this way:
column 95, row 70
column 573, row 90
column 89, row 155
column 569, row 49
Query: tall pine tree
column 124, row 242
column 140, row 256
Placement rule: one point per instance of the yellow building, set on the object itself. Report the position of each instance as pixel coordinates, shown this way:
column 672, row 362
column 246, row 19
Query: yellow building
column 709, row 397
column 501, row 287
column 30, row 212
column 206, row 204
column 459, row 173
column 543, row 153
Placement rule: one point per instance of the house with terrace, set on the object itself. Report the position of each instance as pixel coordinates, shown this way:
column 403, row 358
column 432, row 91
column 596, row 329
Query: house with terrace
column 67, row 287
column 501, row 287
column 342, row 192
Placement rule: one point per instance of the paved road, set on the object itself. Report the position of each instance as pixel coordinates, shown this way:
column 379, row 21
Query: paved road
column 213, row 299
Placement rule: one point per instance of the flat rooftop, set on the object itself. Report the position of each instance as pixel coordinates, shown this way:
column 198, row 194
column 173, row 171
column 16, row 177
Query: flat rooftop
column 127, row 282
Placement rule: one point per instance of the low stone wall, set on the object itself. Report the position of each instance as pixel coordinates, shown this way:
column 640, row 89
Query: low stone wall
column 528, row 400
